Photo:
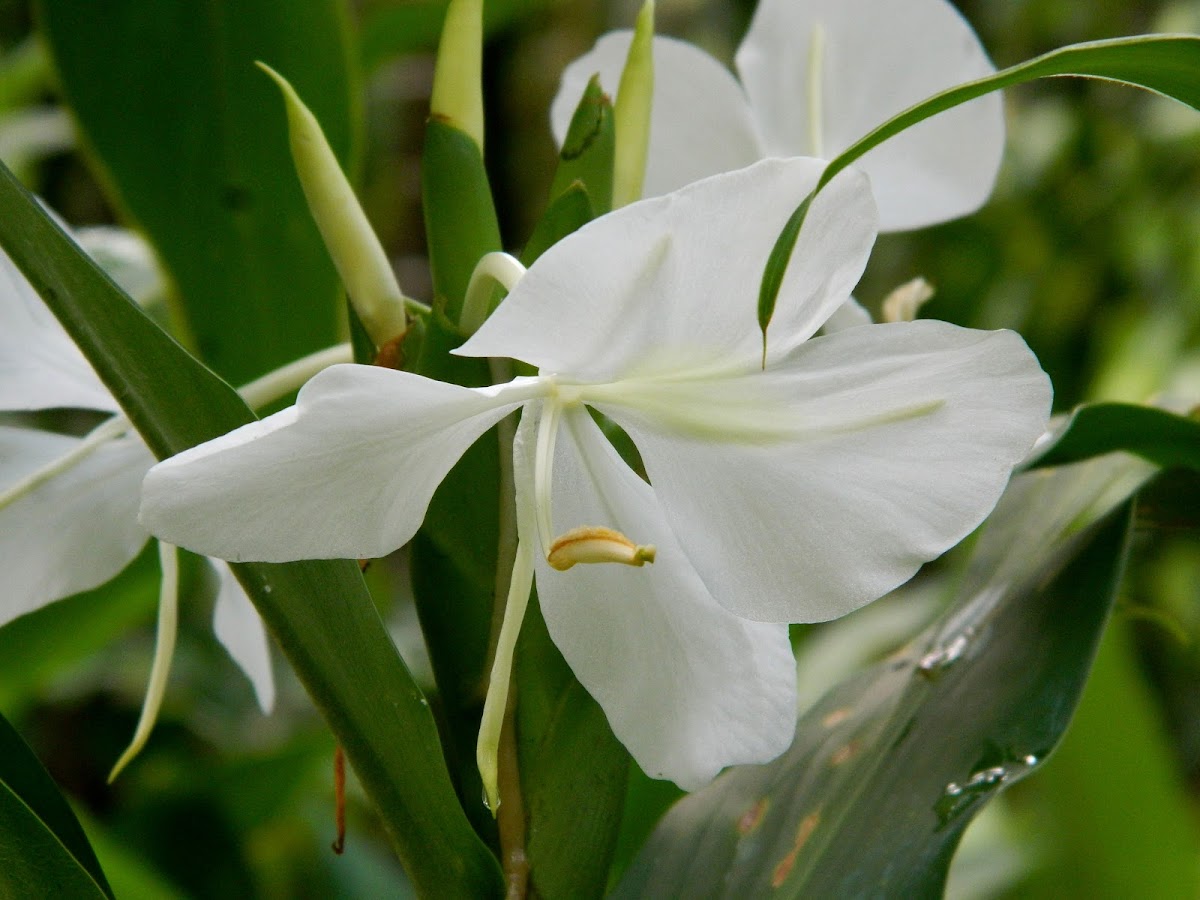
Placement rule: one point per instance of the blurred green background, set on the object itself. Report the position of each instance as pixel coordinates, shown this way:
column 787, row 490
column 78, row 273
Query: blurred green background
column 1090, row 248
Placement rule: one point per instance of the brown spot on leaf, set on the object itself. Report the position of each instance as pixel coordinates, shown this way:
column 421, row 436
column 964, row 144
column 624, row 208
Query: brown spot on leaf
column 752, row 818
column 837, row 717
column 845, row 753
column 784, row 868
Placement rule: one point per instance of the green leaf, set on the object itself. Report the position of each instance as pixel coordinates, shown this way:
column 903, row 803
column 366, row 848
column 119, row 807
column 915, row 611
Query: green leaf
column 573, row 770
column 1166, row 64
column 42, row 844
column 1112, row 805
column 413, row 26
column 568, row 212
column 319, row 612
column 589, row 151
column 191, row 139
column 889, row 768
column 460, row 216
column 1161, row 437
column 453, row 561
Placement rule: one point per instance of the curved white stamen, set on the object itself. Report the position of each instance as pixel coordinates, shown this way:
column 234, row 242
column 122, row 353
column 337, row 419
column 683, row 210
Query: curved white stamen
column 492, row 268
column 109, row 429
column 816, row 89
column 164, row 652
column 543, row 471
column 496, row 702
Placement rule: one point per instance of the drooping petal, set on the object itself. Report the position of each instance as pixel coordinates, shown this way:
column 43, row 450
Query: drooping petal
column 238, row 627
column 863, row 455
column 345, row 473
column 687, row 687
column 875, row 60
column 700, row 123
column 40, row 367
column 671, row 284
column 73, row 532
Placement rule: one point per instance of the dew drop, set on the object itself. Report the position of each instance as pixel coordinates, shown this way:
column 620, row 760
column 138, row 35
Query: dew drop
column 934, row 663
column 958, row 799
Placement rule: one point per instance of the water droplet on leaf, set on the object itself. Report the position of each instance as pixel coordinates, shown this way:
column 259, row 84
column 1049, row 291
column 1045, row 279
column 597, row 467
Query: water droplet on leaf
column 934, row 663
column 959, row 798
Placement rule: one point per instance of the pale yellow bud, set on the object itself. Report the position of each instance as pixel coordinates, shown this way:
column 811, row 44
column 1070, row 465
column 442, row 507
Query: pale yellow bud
column 631, row 113
column 360, row 259
column 458, row 76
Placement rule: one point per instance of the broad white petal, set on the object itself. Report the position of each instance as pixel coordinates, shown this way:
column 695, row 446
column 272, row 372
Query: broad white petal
column 73, row 532
column 877, row 449
column 40, row 367
column 345, row 473
column 671, row 283
column 238, row 627
column 700, row 123
column 687, row 687
column 877, row 60
column 850, row 314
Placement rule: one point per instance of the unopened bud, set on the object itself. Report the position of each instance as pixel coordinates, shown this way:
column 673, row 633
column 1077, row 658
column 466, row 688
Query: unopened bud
column 458, row 75
column 635, row 99
column 596, row 544
column 360, row 259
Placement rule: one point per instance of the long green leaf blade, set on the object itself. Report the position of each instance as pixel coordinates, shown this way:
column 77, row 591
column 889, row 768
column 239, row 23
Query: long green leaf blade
column 1163, row 63
column 44, row 850
column 191, row 140
column 1162, row 437
column 319, row 612
column 888, row 768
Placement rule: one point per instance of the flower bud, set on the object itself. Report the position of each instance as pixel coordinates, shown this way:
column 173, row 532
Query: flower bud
column 631, row 113
column 458, row 79
column 361, row 261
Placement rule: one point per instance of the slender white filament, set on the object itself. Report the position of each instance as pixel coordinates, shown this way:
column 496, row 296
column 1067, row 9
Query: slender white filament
column 291, row 377
column 258, row 393
column 543, row 471
column 164, row 652
column 494, row 705
column 108, row 430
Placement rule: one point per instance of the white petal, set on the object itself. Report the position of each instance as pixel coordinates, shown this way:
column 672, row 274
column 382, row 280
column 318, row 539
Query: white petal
column 672, row 283
column 687, row 687
column 879, row 59
column 75, row 531
column 40, row 367
column 879, row 448
column 850, row 314
column 700, row 123
column 238, row 627
column 127, row 258
column 346, row 473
